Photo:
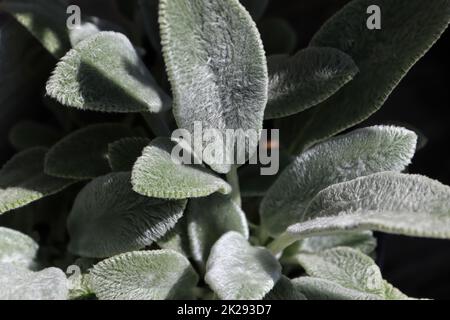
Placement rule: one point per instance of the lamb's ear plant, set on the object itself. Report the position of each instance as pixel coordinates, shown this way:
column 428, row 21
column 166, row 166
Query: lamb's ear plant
column 142, row 226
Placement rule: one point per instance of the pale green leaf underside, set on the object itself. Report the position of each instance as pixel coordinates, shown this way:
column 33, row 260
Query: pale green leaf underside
column 390, row 202
column 216, row 66
column 104, row 73
column 28, row 134
column 409, row 28
column 236, row 270
column 123, row 153
column 83, row 154
column 285, row 289
column 359, row 153
column 22, row 180
column 109, row 218
column 145, row 275
column 21, row 284
column 155, row 174
column 350, row 269
column 305, row 79
column 45, row 20
column 208, row 219
column 17, row 248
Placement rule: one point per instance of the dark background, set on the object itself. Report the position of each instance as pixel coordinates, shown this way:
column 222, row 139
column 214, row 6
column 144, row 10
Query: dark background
column 419, row 267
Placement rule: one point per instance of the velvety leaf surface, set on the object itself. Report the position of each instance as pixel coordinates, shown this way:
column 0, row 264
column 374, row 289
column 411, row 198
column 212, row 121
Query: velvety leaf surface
column 18, row 283
column 284, row 290
column 28, row 134
column 155, row 174
column 409, row 28
column 104, row 73
column 216, row 66
column 236, row 270
column 83, row 154
column 389, row 202
column 89, row 27
column 44, row 19
column 359, row 153
column 109, row 218
column 145, row 275
column 123, row 153
column 348, row 268
column 208, row 219
column 17, row 248
column 305, row 79
column 22, row 180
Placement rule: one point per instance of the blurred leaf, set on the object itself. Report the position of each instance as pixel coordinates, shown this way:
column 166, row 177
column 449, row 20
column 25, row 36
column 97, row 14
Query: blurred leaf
column 216, row 66
column 104, row 73
column 409, row 29
column 149, row 11
column 22, row 180
column 359, row 153
column 238, row 271
column 83, row 154
column 304, row 80
column 145, row 275
column 177, row 238
column 256, row 8
column 284, row 290
column 109, row 218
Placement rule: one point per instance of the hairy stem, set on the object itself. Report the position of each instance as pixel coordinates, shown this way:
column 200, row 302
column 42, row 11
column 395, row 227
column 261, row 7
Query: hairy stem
column 277, row 246
column 233, row 180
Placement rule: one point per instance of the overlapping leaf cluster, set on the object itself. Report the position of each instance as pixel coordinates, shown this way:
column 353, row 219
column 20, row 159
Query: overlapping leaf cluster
column 144, row 227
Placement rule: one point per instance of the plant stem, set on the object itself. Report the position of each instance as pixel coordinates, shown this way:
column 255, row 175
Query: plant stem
column 233, row 180
column 277, row 246
column 157, row 124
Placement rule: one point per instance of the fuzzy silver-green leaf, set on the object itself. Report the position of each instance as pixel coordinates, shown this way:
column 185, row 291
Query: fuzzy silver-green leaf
column 83, row 154
column 109, row 218
column 144, row 275
column 216, row 66
column 155, row 174
column 236, row 270
column 208, row 219
column 17, row 248
column 22, row 180
column 305, row 79
column 359, row 153
column 104, row 73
